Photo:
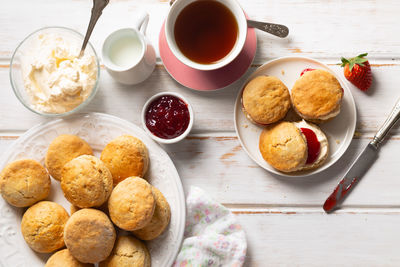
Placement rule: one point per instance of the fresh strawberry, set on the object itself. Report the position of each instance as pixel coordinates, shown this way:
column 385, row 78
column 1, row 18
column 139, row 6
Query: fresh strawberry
column 305, row 70
column 358, row 71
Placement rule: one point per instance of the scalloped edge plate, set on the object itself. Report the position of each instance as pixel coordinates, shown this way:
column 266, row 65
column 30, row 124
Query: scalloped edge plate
column 97, row 129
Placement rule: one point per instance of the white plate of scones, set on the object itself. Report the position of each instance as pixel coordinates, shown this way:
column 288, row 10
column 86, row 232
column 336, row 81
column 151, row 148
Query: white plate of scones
column 90, row 190
column 294, row 116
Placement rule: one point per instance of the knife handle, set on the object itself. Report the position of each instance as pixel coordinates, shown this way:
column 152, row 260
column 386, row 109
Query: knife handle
column 387, row 125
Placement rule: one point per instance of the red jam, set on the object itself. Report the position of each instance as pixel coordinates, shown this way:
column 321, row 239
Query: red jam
column 167, row 117
column 313, row 145
column 305, row 70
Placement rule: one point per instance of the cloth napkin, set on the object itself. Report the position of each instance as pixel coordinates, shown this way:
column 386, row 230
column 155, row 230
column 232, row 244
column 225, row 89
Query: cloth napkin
column 212, row 235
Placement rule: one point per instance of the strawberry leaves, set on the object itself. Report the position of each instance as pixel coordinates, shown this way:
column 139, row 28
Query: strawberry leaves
column 359, row 60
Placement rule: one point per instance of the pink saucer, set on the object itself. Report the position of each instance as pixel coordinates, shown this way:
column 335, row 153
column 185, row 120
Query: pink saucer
column 208, row 80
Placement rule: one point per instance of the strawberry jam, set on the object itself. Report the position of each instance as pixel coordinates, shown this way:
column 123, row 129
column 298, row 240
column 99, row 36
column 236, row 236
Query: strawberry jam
column 306, row 70
column 313, row 145
column 167, row 117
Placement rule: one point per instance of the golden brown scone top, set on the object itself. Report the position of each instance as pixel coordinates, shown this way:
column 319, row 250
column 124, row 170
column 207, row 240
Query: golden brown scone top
column 63, row 149
column 42, row 226
column 283, row 147
column 86, row 181
column 131, row 204
column 63, row 258
column 266, row 99
column 24, row 182
column 125, row 156
column 160, row 219
column 128, row 252
column 89, row 235
column 316, row 94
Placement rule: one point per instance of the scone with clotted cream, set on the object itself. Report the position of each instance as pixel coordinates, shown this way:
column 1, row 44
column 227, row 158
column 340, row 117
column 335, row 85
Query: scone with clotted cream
column 284, row 147
column 316, row 96
column 294, row 146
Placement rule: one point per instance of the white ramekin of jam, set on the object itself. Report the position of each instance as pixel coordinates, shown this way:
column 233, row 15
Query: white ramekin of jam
column 167, row 117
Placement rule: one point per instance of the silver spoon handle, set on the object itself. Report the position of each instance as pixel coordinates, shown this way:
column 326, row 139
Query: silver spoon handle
column 274, row 29
column 387, row 125
column 97, row 10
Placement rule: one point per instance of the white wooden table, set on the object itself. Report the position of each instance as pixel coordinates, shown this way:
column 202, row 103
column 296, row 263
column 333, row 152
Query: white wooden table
column 282, row 217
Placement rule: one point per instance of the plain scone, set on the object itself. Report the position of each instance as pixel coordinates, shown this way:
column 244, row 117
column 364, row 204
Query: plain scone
column 63, row 149
column 265, row 100
column 128, row 252
column 125, row 156
column 86, row 182
column 24, row 182
column 43, row 225
column 131, row 204
column 159, row 221
column 89, row 235
column 63, row 258
column 284, row 147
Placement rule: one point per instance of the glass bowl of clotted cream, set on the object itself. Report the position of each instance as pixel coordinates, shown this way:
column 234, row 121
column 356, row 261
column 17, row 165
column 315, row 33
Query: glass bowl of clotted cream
column 49, row 77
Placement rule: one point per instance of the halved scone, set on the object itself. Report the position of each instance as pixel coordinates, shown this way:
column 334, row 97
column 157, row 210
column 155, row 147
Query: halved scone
column 316, row 96
column 284, row 147
column 294, row 146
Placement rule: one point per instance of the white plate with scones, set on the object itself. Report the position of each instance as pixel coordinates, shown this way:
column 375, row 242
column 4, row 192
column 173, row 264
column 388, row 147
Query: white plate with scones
column 294, row 116
column 94, row 217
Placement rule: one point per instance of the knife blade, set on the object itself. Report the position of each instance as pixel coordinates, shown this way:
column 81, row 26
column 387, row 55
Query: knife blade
column 363, row 162
column 359, row 167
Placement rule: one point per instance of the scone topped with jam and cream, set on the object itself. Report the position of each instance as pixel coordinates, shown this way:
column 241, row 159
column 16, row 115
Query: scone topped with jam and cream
column 316, row 96
column 284, row 147
column 317, row 144
column 265, row 100
column 294, row 146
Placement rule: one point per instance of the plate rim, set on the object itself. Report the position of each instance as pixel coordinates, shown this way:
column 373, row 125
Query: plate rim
column 301, row 174
column 181, row 196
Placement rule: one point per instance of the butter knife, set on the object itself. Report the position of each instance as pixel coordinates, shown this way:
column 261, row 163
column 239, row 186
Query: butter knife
column 363, row 162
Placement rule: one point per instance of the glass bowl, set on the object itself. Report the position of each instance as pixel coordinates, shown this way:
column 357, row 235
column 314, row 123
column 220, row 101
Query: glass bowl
column 16, row 75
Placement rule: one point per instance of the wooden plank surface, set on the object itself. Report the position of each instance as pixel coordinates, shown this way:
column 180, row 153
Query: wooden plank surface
column 213, row 110
column 312, row 238
column 219, row 165
column 322, row 29
column 282, row 217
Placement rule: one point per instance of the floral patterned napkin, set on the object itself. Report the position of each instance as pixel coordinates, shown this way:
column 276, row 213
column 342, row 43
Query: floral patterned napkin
column 212, row 236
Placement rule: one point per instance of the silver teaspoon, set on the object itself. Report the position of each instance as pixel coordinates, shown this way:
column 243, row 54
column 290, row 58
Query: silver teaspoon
column 97, row 10
column 274, row 29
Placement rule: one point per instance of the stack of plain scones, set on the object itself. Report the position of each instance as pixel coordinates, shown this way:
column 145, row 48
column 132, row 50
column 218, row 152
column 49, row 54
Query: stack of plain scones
column 104, row 193
column 315, row 97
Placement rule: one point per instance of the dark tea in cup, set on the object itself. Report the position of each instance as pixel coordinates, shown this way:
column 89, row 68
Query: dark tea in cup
column 206, row 31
